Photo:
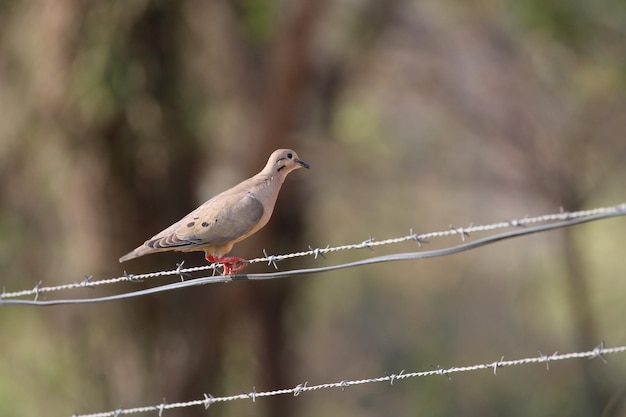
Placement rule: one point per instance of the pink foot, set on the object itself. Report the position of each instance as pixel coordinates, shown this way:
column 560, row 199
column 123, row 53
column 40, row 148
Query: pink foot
column 232, row 264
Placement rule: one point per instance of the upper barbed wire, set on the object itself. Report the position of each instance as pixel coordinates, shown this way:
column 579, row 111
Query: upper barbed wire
column 369, row 243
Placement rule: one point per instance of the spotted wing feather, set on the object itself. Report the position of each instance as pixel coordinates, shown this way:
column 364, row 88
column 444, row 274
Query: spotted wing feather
column 216, row 222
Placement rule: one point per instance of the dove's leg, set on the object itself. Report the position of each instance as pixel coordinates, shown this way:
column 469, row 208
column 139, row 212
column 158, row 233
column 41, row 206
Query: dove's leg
column 232, row 264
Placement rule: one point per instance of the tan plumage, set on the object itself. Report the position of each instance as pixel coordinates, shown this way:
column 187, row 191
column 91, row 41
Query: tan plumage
column 227, row 218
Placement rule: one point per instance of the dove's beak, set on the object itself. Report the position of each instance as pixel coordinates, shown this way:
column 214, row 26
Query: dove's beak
column 303, row 164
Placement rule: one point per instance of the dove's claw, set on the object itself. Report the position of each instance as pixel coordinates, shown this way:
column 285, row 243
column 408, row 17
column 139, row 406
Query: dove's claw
column 232, row 264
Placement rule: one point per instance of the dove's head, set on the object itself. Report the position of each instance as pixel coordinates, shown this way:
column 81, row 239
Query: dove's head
column 284, row 161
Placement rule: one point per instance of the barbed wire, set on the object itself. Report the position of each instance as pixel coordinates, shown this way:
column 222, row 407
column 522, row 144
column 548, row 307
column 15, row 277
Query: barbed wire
column 599, row 351
column 294, row 272
column 564, row 219
column 290, row 273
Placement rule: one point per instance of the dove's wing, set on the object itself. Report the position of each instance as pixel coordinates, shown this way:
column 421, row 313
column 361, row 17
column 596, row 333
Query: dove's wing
column 219, row 221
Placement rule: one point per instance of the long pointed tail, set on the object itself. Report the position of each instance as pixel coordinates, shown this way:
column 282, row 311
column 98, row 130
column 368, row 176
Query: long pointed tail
column 136, row 253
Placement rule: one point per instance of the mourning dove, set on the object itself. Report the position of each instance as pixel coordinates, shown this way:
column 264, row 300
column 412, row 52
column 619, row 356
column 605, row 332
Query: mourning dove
column 227, row 218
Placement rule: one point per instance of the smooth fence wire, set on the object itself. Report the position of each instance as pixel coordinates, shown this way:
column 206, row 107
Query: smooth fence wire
column 599, row 351
column 369, row 243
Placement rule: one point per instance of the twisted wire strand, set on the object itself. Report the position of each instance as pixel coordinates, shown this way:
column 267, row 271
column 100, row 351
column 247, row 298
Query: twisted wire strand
column 599, row 351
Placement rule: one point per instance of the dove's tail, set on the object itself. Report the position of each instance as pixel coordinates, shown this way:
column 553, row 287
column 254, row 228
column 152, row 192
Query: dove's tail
column 140, row 251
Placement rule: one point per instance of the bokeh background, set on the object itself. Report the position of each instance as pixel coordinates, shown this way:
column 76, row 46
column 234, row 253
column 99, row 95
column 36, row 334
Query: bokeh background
column 118, row 117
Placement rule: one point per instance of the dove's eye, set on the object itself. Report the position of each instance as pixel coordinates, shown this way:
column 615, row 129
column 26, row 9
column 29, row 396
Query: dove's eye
column 290, row 155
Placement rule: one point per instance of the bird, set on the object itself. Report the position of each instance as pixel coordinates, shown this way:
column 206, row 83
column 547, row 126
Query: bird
column 227, row 218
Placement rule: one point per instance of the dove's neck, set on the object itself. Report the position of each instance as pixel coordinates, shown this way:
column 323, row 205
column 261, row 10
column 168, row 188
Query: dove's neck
column 271, row 182
column 266, row 186
column 271, row 174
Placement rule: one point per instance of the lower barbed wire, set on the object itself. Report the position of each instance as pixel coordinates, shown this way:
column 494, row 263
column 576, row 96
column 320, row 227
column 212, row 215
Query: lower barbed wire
column 599, row 351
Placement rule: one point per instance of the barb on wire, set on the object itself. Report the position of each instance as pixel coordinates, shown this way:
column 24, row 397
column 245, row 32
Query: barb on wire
column 208, row 400
column 86, row 283
column 497, row 365
column 132, row 277
column 317, row 252
column 271, row 259
column 37, row 289
column 441, row 371
column 461, row 231
column 522, row 226
column 548, row 358
column 598, row 352
column 180, row 272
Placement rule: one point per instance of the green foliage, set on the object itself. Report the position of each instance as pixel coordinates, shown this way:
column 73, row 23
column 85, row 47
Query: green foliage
column 565, row 21
column 258, row 20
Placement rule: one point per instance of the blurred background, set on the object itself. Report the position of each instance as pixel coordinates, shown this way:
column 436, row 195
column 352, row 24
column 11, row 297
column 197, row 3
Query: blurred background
column 119, row 117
